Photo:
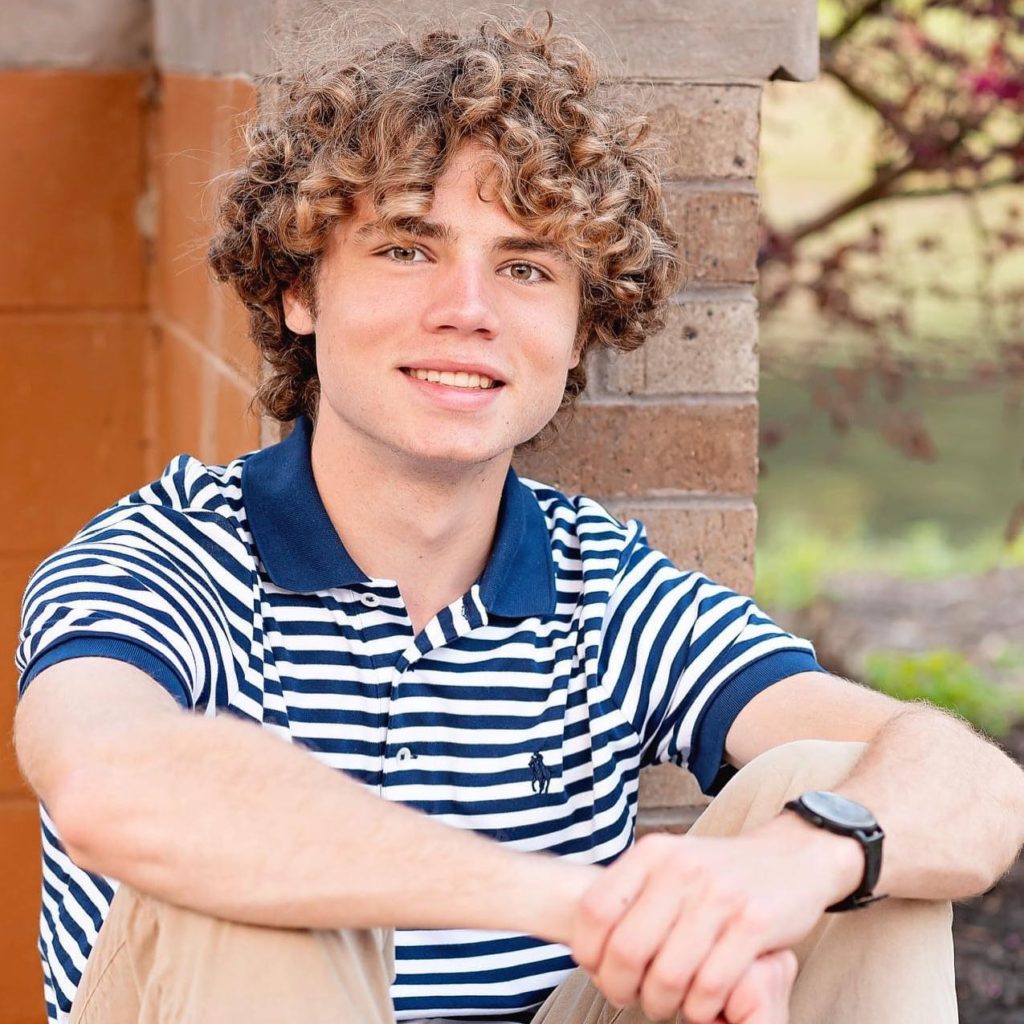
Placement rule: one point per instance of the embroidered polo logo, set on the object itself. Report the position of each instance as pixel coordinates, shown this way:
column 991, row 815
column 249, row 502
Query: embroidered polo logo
column 541, row 774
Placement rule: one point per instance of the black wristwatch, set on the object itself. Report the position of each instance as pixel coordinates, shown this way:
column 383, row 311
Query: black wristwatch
column 846, row 818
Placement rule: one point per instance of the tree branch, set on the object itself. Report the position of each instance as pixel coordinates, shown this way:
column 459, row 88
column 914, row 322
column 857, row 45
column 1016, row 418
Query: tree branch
column 869, row 99
column 877, row 189
column 955, row 190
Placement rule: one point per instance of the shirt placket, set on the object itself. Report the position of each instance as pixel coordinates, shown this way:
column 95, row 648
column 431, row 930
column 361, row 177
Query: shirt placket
column 376, row 593
column 457, row 620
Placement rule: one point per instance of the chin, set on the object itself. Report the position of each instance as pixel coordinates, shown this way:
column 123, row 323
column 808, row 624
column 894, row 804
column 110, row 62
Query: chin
column 455, row 453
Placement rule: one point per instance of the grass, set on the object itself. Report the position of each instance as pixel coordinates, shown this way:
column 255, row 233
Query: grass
column 795, row 563
column 793, row 570
column 948, row 680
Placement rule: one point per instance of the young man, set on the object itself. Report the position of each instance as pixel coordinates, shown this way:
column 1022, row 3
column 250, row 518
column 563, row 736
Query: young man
column 468, row 670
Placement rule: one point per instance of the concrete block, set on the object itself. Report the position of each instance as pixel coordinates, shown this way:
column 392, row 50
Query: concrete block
column 70, row 187
column 20, row 977
column 716, row 538
column 642, row 449
column 705, row 347
column 229, row 37
column 706, row 131
column 668, row 785
column 699, row 40
column 719, row 233
column 82, row 376
column 75, row 34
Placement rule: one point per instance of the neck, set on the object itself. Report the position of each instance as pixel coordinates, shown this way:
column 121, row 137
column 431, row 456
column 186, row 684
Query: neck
column 428, row 528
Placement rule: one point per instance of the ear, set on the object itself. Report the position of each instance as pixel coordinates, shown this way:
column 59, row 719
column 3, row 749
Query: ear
column 578, row 346
column 297, row 314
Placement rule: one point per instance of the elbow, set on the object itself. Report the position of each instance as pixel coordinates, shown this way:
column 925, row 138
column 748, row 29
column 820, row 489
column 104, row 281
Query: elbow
column 99, row 830
column 75, row 807
column 1007, row 846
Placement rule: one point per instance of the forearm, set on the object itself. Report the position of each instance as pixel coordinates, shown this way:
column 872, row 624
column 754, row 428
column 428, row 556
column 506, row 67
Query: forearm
column 951, row 804
column 222, row 817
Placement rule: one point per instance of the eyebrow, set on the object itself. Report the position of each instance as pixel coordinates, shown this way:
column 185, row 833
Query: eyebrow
column 442, row 232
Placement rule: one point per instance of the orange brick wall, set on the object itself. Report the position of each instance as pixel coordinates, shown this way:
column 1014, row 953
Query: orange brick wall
column 206, row 369
column 74, row 337
column 118, row 353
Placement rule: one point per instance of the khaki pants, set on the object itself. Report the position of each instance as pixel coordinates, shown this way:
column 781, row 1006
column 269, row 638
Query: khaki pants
column 159, row 964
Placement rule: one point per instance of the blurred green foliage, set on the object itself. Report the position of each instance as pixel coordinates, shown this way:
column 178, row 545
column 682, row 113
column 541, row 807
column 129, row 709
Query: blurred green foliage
column 947, row 679
column 795, row 562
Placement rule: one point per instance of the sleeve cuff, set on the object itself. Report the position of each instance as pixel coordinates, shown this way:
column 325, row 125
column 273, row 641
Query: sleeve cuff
column 707, row 753
column 108, row 647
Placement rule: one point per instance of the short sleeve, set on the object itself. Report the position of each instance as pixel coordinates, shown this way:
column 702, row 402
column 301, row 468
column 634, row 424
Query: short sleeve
column 128, row 587
column 683, row 655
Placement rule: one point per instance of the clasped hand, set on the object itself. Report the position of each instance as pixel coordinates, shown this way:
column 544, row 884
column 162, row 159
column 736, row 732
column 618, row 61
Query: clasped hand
column 701, row 925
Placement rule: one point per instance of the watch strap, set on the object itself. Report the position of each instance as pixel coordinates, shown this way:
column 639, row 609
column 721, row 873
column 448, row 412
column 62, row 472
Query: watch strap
column 871, row 843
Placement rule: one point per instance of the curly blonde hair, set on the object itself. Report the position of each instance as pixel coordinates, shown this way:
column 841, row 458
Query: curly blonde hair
column 570, row 165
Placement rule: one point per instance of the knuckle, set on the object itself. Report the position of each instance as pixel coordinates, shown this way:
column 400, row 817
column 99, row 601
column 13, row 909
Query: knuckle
column 616, row 994
column 694, row 1013
column 723, row 894
column 708, row 985
column 685, row 867
column 596, row 908
column 658, row 1007
column 661, row 978
column 627, row 954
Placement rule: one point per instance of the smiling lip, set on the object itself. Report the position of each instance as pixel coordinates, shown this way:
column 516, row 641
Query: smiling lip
column 454, row 399
column 448, row 366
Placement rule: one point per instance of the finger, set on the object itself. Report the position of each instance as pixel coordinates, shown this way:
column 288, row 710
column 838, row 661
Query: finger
column 763, row 993
column 671, row 972
column 739, row 944
column 604, row 904
column 637, row 937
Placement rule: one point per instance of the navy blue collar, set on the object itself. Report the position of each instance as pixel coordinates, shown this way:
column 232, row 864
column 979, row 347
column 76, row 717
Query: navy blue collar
column 302, row 551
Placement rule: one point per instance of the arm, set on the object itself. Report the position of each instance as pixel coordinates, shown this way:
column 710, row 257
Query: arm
column 676, row 921
column 220, row 816
column 951, row 803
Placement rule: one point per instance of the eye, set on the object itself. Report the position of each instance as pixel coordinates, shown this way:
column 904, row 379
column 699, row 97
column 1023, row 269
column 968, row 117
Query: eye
column 403, row 253
column 528, row 273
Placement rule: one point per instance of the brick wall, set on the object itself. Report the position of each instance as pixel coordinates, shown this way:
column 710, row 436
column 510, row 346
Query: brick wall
column 120, row 352
column 73, row 331
column 205, row 368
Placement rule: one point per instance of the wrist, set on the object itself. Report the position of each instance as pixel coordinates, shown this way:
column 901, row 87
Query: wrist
column 833, row 863
column 545, row 901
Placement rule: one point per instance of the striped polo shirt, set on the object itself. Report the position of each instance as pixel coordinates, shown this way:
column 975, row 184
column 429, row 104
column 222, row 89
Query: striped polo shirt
column 523, row 711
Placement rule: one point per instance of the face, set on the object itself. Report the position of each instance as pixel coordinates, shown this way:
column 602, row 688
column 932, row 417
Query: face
column 449, row 342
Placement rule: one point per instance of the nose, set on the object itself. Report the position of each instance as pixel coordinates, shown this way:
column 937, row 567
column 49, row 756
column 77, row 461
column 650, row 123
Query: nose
column 463, row 302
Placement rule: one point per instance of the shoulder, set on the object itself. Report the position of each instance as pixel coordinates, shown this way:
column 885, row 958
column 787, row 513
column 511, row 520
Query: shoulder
column 189, row 495
column 187, row 528
column 584, row 526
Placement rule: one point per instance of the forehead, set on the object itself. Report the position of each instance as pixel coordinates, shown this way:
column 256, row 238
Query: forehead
column 466, row 206
column 469, row 181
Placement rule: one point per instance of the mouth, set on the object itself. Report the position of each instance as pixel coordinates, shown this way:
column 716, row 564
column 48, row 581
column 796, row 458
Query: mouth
column 454, row 379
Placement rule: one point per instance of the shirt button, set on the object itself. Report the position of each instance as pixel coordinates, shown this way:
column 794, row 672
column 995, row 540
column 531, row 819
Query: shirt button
column 404, row 754
column 370, row 600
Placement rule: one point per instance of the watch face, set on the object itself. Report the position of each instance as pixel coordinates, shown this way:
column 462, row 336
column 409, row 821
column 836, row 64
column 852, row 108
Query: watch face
column 833, row 807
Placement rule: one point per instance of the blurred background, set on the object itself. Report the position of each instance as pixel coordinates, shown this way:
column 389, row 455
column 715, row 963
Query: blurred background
column 891, row 496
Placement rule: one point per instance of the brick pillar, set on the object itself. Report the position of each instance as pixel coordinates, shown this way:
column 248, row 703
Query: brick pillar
column 668, row 434
column 205, row 366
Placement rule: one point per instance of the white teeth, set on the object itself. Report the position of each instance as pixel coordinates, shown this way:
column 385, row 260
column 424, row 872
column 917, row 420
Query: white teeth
column 461, row 379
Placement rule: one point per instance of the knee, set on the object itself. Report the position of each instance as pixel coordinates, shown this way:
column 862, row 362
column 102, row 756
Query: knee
column 793, row 768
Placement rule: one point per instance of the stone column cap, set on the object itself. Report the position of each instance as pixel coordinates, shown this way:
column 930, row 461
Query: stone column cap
column 661, row 40
column 102, row 34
